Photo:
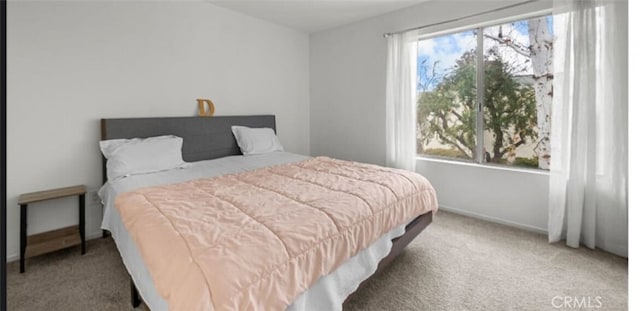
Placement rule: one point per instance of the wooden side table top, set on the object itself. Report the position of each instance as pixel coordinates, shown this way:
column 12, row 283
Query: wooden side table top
column 28, row 198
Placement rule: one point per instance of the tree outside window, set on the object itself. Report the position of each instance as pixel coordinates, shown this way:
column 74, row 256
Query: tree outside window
column 516, row 79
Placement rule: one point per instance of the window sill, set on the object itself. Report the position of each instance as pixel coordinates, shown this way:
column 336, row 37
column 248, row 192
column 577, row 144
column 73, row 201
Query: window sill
column 484, row 165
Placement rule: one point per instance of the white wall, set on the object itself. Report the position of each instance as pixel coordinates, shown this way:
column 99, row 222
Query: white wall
column 508, row 196
column 72, row 63
column 348, row 113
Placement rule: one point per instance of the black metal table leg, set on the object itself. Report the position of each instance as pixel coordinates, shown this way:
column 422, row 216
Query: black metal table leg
column 81, row 223
column 23, row 234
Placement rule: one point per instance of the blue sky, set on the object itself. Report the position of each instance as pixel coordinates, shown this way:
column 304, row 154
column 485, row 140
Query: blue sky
column 447, row 49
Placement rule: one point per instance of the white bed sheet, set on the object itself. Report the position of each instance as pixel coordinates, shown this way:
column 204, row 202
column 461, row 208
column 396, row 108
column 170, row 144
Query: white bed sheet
column 327, row 293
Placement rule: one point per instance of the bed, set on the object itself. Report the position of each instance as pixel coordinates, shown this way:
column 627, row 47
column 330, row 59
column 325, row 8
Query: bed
column 212, row 151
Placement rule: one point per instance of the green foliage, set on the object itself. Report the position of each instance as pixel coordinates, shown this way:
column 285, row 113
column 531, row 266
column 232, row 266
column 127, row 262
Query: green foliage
column 448, row 112
column 510, row 109
column 441, row 152
column 529, row 162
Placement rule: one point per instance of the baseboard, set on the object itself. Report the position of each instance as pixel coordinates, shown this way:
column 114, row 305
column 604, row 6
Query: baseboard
column 91, row 236
column 493, row 219
column 12, row 257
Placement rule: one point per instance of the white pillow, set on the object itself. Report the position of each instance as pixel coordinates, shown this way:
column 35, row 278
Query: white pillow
column 141, row 155
column 256, row 140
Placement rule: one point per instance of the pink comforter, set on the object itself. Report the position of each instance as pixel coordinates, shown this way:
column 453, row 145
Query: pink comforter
column 256, row 240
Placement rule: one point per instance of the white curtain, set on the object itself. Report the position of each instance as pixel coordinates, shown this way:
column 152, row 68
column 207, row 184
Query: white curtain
column 401, row 100
column 588, row 200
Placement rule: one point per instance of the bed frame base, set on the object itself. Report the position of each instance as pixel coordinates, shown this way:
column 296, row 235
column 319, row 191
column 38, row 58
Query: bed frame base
column 411, row 232
column 399, row 244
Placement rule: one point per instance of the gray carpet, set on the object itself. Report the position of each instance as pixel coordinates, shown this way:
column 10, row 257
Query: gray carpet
column 457, row 263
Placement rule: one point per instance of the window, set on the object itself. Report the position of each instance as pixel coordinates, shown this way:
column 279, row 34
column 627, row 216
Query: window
column 498, row 84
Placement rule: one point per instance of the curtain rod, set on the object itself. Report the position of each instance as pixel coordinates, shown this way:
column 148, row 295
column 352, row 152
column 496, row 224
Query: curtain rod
column 388, row 34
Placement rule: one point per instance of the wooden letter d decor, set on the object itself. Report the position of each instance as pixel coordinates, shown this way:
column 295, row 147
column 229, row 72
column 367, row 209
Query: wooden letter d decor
column 210, row 108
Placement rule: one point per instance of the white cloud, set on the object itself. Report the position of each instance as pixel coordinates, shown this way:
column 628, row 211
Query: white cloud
column 448, row 48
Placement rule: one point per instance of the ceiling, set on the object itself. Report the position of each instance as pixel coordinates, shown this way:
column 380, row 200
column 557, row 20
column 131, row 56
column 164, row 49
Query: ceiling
column 314, row 15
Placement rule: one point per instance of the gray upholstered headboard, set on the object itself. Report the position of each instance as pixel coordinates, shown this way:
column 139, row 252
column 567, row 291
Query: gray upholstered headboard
column 204, row 138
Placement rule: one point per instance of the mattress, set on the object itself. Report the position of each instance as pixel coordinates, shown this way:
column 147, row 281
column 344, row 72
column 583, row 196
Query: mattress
column 327, row 293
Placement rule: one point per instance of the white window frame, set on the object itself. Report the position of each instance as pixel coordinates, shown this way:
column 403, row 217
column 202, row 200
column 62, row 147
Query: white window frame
column 479, row 27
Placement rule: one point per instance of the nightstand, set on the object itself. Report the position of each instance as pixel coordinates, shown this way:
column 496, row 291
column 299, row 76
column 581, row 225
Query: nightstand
column 46, row 242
